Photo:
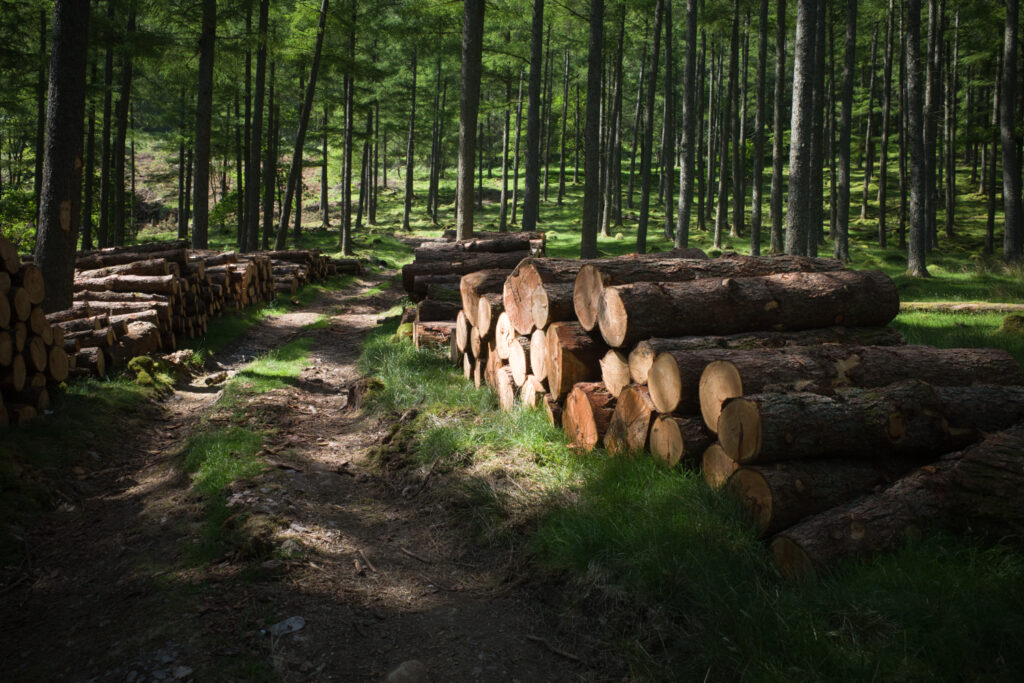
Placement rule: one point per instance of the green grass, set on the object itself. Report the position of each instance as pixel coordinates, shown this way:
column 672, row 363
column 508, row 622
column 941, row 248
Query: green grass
column 217, row 457
column 960, row 330
column 680, row 582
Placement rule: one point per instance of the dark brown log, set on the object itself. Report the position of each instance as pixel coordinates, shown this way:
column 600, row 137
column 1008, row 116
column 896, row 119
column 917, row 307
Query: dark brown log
column 30, row 278
column 504, row 335
column 124, row 307
column 422, row 283
column 978, row 487
column 57, row 363
column 824, row 368
column 959, row 307
column 6, row 348
column 432, row 334
column 445, row 291
column 519, row 360
column 19, row 332
column 12, row 378
column 539, row 354
column 20, row 304
column 717, row 466
column 790, row 301
column 780, row 495
column 462, row 331
column 470, row 264
column 595, row 276
column 94, row 261
column 505, row 387
column 5, row 311
column 145, row 267
column 148, row 316
column 102, row 338
column 587, row 414
column 630, row 426
column 552, row 303
column 92, row 359
column 20, row 413
column 138, row 297
column 5, row 282
column 474, row 285
column 153, row 284
column 35, row 354
column 500, row 243
column 643, row 354
column 39, row 325
column 489, row 309
column 9, row 259
column 430, row 310
column 615, row 371
column 675, row 437
column 93, row 322
column 553, row 409
column 573, row 356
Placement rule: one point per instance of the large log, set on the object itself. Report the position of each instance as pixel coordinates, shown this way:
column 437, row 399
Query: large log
column 519, row 360
column 469, row 264
column 717, row 466
column 615, row 371
column 57, row 363
column 595, row 276
column 92, row 359
column 505, row 387
column 552, row 303
column 573, row 356
column 978, row 488
column 20, row 304
column 822, row 369
column 36, row 354
column 539, row 354
column 643, row 354
column 430, row 310
column 105, row 260
column 474, row 285
column 525, row 278
column 908, row 418
column 432, row 334
column 630, row 425
column 790, row 301
column 674, row 437
column 553, row 410
column 145, row 267
column 422, row 283
column 588, row 411
column 504, row 335
column 30, row 278
column 779, row 495
column 154, row 284
column 9, row 259
column 489, row 308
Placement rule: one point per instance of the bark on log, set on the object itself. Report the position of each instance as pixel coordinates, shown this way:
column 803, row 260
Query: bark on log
column 429, row 311
column 432, row 334
column 101, row 338
column 978, row 487
column 780, row 495
column 824, row 368
column 474, row 285
column 92, row 359
column 643, row 354
column 145, row 267
column 674, row 437
column 615, row 371
column 573, row 356
column 553, row 409
column 717, row 466
column 552, row 303
column 790, row 301
column 959, row 307
column 469, row 264
column 94, row 261
column 595, row 276
column 630, row 426
column 499, row 243
column 587, row 414
column 422, row 283
column 149, row 284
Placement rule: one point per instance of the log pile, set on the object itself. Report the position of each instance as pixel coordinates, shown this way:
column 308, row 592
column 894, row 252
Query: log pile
column 32, row 357
column 778, row 376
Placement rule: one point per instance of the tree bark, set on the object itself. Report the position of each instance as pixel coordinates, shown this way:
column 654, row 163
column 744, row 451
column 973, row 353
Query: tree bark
column 798, row 210
column 204, row 114
column 757, row 179
column 592, row 160
column 778, row 146
column 917, row 217
column 409, row 150
column 294, row 185
column 531, row 190
column 565, row 112
column 1013, row 235
column 690, row 141
column 120, row 136
column 841, row 234
column 883, row 158
column 869, row 148
column 668, row 138
column 61, row 191
column 255, row 147
column 270, row 162
column 472, row 47
column 648, row 136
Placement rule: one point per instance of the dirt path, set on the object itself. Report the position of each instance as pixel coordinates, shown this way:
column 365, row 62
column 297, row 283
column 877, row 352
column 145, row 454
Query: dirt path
column 379, row 574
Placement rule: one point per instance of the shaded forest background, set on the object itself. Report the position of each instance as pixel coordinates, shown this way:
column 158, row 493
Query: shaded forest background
column 771, row 123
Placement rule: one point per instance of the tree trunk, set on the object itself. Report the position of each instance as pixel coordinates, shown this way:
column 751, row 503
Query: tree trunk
column 294, row 186
column 869, row 149
column 637, row 127
column 472, row 47
column 255, row 147
column 990, row 223
column 121, row 114
column 515, row 156
column 778, row 119
column 61, row 191
column 270, row 162
column 815, row 231
column 90, row 171
column 736, row 128
column 950, row 129
column 505, row 129
column 435, row 148
column 1013, row 235
column 841, row 233
column 409, row 150
column 325, row 202
column 648, row 136
column 592, row 160
column 757, row 180
column 612, row 178
column 40, row 149
column 798, row 210
column 931, row 108
column 668, row 141
column 531, row 191
column 690, row 140
column 545, row 125
column 565, row 112
column 917, row 217
column 204, row 114
column 883, row 158
column 790, row 301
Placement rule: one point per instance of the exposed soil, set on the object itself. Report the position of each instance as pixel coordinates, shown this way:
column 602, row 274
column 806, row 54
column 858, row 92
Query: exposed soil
column 380, row 570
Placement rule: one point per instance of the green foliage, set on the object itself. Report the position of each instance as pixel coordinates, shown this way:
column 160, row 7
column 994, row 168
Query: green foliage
column 219, row 456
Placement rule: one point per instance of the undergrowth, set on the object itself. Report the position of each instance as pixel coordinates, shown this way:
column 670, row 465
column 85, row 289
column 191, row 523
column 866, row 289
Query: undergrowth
column 683, row 588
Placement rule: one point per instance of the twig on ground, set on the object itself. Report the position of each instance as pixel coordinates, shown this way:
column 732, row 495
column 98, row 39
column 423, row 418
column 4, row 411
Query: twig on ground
column 415, row 556
column 561, row 653
column 366, row 561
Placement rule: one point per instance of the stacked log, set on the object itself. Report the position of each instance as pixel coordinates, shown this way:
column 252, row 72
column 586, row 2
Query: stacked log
column 32, row 356
column 777, row 376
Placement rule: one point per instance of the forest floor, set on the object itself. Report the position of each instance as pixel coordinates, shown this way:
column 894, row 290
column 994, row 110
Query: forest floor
column 379, row 568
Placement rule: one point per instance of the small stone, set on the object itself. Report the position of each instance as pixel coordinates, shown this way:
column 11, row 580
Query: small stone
column 411, row 671
column 289, row 625
column 180, row 672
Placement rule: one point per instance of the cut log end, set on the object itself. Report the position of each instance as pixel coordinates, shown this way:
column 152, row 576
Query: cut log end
column 539, row 354
column 630, row 426
column 751, row 488
column 739, row 430
column 665, row 383
column 613, row 317
column 719, row 382
column 588, row 411
column 615, row 371
column 586, row 296
column 791, row 559
column 717, row 466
